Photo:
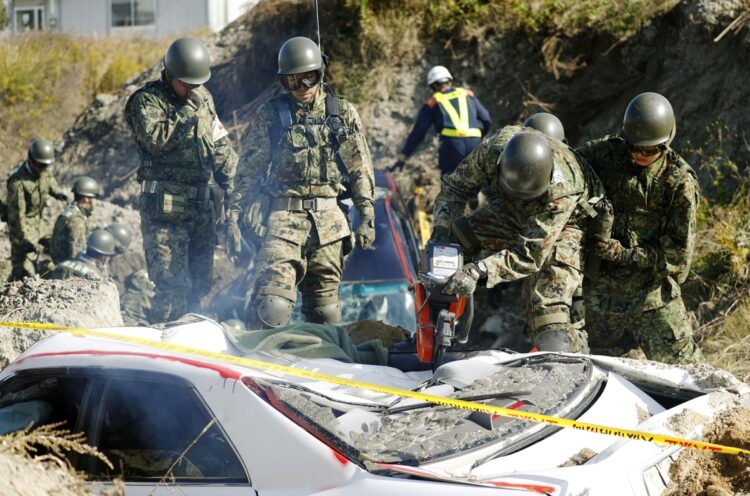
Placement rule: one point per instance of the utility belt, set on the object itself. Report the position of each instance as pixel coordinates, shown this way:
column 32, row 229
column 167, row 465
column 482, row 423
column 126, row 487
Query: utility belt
column 201, row 192
column 173, row 201
column 302, row 204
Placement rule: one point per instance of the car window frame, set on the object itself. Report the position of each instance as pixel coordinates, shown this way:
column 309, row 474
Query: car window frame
column 92, row 403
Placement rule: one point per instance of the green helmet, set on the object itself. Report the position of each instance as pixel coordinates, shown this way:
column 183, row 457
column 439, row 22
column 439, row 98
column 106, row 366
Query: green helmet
column 187, row 60
column 547, row 124
column 122, row 235
column 101, row 242
column 86, row 186
column 299, row 54
column 649, row 120
column 42, row 152
column 525, row 166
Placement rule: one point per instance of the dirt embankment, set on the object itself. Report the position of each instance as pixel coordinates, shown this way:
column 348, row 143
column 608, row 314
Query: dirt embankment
column 701, row 473
column 74, row 302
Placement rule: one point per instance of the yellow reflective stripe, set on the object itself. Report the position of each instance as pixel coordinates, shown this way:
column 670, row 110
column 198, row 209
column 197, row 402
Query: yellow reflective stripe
column 459, row 120
column 660, row 439
column 459, row 133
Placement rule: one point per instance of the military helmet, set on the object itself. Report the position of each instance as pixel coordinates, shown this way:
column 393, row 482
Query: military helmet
column 101, row 241
column 42, row 152
column 438, row 74
column 187, row 60
column 298, row 55
column 525, row 167
column 547, row 124
column 649, row 120
column 86, row 186
column 122, row 235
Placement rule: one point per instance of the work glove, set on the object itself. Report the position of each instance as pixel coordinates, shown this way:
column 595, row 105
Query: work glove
column 195, row 98
column 27, row 246
column 365, row 235
column 612, row 250
column 398, row 165
column 463, row 282
column 234, row 236
column 440, row 235
column 60, row 196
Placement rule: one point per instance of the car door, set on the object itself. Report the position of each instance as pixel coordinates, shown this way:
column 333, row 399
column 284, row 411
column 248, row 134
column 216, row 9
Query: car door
column 156, row 430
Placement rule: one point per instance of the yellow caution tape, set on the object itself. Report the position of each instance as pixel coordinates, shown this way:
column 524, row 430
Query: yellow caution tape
column 404, row 393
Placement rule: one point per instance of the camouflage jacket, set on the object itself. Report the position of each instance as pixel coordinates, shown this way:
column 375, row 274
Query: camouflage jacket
column 70, row 233
column 27, row 198
column 655, row 213
column 81, row 266
column 304, row 161
column 553, row 223
column 178, row 142
column 135, row 300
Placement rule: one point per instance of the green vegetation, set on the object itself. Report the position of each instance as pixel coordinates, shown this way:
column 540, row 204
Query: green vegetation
column 4, row 19
column 47, row 79
column 388, row 30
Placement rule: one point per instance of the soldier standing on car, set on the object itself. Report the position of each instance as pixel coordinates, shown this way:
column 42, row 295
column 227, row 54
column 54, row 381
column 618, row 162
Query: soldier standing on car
column 541, row 200
column 456, row 114
column 301, row 148
column 92, row 264
column 71, row 227
column 182, row 145
column 29, row 185
column 636, row 300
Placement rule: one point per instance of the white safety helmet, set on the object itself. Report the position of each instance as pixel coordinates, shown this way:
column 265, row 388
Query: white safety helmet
column 438, row 74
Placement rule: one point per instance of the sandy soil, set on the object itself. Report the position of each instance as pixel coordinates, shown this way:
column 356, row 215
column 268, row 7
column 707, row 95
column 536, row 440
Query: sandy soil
column 700, row 473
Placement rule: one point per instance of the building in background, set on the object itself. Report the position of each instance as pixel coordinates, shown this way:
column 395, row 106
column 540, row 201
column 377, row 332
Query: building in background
column 124, row 17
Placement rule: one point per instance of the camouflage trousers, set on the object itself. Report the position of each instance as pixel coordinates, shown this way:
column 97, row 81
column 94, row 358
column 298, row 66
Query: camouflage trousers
column 549, row 293
column 29, row 264
column 664, row 333
column 283, row 264
column 179, row 259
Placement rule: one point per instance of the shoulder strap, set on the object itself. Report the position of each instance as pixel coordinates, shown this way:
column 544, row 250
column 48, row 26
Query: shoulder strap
column 282, row 122
column 674, row 180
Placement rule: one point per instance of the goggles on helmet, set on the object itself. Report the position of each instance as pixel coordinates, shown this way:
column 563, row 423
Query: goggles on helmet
column 646, row 151
column 295, row 81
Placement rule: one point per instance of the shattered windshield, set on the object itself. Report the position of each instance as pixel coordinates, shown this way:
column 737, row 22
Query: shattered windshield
column 405, row 431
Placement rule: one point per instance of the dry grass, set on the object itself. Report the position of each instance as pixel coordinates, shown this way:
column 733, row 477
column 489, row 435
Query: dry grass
column 47, row 79
column 33, row 462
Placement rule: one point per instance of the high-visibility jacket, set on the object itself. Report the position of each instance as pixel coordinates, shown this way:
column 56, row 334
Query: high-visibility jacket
column 459, row 118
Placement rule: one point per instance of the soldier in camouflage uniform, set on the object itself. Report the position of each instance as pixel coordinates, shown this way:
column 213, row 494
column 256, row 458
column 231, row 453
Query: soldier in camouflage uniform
column 636, row 300
column 71, row 228
column 92, row 264
column 301, row 148
column 135, row 301
column 29, row 185
column 541, row 199
column 182, row 145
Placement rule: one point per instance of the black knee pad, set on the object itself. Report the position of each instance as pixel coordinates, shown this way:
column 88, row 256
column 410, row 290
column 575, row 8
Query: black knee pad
column 272, row 311
column 553, row 339
column 323, row 314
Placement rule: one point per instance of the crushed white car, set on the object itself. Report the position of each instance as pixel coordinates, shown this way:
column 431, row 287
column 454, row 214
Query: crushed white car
column 173, row 423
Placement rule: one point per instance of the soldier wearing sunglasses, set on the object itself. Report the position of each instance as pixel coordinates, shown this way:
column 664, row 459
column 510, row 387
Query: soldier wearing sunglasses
column 635, row 300
column 305, row 151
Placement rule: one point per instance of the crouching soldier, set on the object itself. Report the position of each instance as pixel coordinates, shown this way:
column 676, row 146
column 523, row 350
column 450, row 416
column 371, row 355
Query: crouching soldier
column 28, row 188
column 71, row 227
column 540, row 201
column 92, row 264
